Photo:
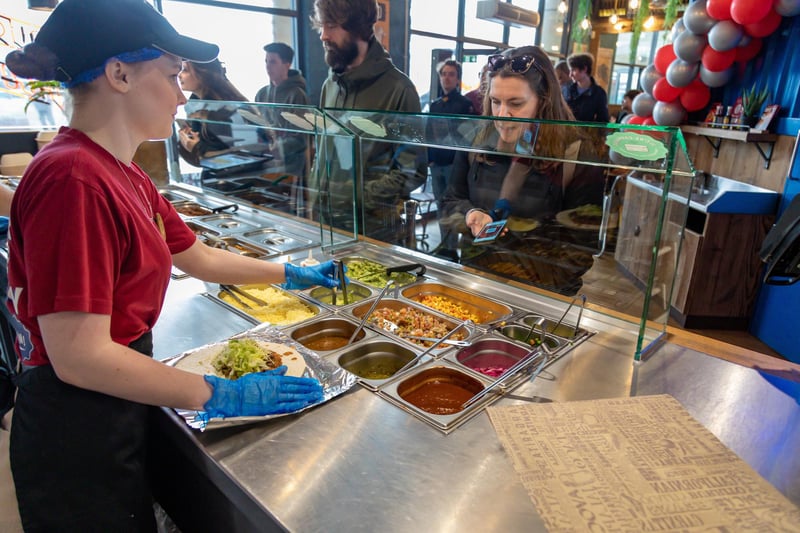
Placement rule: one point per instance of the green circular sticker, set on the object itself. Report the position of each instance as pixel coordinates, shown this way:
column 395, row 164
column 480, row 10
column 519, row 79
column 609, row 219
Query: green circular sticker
column 636, row 146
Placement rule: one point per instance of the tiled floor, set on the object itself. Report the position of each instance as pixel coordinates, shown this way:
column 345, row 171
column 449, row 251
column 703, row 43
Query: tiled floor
column 604, row 284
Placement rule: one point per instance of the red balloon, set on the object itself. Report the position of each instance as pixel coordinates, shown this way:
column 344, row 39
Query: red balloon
column 719, row 9
column 636, row 119
column 664, row 92
column 664, row 56
column 718, row 61
column 695, row 96
column 649, row 121
column 749, row 51
column 765, row 26
column 749, row 11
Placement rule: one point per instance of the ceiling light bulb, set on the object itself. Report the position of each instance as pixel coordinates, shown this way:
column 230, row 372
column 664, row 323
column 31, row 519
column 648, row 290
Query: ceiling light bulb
column 618, row 26
column 559, row 29
column 633, row 4
column 650, row 22
column 585, row 24
column 562, row 7
column 613, row 18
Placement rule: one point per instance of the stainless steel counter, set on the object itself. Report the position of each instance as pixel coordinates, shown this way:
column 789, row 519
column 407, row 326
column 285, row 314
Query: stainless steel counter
column 358, row 463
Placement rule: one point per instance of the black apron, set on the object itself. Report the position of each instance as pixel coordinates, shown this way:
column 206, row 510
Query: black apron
column 78, row 456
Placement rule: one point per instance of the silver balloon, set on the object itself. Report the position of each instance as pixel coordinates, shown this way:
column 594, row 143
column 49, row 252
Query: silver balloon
column 696, row 18
column 643, row 105
column 649, row 78
column 668, row 113
column 725, row 35
column 677, row 28
column 680, row 73
column 716, row 79
column 689, row 46
column 787, row 8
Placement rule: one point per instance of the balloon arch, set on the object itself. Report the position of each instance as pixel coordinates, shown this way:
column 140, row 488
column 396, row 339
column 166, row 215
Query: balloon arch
column 707, row 42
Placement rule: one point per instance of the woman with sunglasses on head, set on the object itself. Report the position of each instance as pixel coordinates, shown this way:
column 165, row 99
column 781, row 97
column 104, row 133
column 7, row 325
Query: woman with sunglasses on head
column 90, row 254
column 522, row 84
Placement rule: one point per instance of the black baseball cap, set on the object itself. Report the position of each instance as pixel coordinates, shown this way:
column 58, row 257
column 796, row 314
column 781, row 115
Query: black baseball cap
column 83, row 34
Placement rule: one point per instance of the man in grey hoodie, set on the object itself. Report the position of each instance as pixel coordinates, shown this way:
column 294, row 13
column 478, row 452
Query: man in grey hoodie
column 286, row 86
column 363, row 77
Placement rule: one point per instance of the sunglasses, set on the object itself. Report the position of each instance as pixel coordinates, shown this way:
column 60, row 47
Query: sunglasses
column 517, row 65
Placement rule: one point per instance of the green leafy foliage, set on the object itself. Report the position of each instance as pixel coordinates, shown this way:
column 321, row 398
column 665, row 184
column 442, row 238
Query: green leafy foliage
column 638, row 25
column 753, row 99
column 43, row 91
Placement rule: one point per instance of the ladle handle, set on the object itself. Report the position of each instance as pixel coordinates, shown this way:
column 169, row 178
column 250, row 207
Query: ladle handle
column 519, row 365
column 371, row 309
column 466, row 323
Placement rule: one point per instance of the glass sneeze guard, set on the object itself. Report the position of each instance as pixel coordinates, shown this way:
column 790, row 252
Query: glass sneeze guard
column 595, row 209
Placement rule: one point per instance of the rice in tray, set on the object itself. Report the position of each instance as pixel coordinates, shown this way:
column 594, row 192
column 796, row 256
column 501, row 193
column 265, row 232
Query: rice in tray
column 282, row 309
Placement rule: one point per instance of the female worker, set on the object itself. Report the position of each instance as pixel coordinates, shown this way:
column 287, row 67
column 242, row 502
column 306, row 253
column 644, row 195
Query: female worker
column 522, row 84
column 90, row 253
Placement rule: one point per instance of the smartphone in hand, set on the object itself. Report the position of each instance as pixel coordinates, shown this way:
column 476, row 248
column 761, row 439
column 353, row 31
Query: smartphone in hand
column 490, row 232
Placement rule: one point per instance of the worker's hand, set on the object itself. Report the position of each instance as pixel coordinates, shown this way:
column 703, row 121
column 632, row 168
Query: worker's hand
column 323, row 274
column 476, row 220
column 261, row 393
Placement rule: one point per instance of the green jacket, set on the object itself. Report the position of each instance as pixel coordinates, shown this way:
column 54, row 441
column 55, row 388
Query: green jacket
column 390, row 171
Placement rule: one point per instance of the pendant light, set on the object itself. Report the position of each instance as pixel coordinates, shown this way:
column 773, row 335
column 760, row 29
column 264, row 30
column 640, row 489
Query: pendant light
column 42, row 5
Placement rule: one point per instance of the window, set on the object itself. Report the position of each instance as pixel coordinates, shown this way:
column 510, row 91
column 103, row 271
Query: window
column 241, row 36
column 18, row 27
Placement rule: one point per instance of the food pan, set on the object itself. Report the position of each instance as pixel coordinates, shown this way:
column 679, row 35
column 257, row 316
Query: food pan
column 457, row 303
column 355, row 294
column 227, row 222
column 172, row 196
column 253, row 182
column 374, row 361
column 434, row 392
column 565, row 329
column 191, row 209
column 237, row 246
column 373, row 273
column 199, row 229
column 410, row 319
column 275, row 239
column 327, row 334
column 491, row 357
column 519, row 333
column 283, row 309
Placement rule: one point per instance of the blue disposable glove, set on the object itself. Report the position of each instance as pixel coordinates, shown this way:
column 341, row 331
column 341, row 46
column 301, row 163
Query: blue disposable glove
column 261, row 393
column 502, row 210
column 323, row 274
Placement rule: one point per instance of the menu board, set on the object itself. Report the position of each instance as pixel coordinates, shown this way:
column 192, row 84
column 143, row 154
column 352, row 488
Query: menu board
column 634, row 464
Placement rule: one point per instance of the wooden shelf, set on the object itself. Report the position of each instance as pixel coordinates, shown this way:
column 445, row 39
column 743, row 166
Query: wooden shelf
column 715, row 136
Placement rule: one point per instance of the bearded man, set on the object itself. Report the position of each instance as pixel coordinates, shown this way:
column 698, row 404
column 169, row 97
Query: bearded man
column 363, row 77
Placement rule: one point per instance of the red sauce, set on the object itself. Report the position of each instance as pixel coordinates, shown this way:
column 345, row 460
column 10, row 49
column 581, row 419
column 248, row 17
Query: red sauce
column 438, row 397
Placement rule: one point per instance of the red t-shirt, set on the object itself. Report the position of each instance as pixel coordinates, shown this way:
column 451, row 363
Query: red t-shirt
column 83, row 239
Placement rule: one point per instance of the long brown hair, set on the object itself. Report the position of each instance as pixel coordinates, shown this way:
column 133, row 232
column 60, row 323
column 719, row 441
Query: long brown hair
column 215, row 84
column 541, row 77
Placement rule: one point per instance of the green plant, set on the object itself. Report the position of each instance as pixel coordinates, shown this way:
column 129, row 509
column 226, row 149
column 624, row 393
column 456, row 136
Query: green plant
column 753, row 99
column 43, row 91
column 638, row 24
column 582, row 11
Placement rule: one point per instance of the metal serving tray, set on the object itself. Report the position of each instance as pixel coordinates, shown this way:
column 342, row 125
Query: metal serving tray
column 313, row 334
column 276, row 239
column 252, row 314
column 228, row 223
column 441, row 377
column 487, row 311
column 356, row 293
column 360, row 310
column 375, row 361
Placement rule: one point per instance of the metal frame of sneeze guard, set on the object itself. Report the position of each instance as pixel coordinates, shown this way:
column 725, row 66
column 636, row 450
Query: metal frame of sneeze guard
column 657, row 153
